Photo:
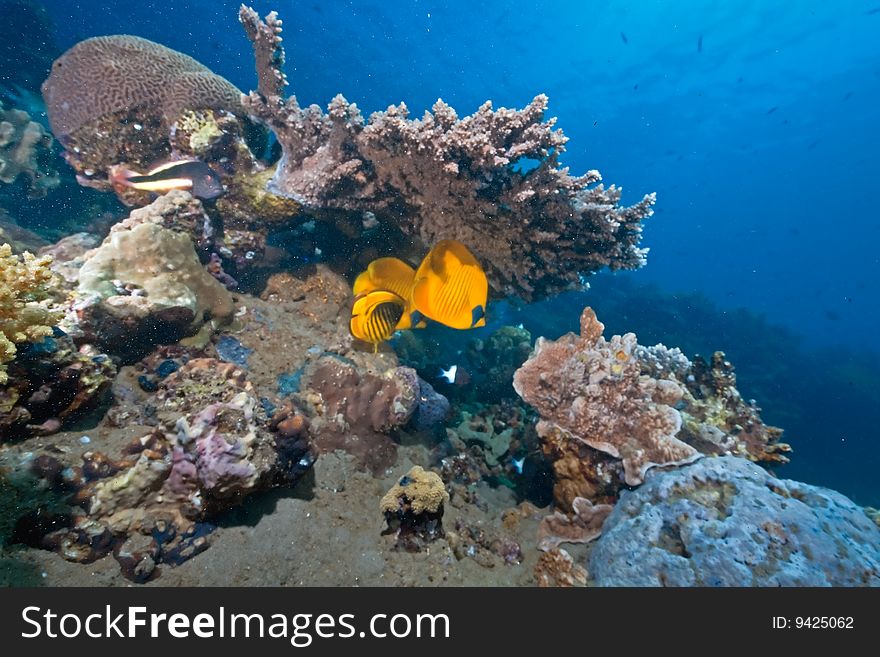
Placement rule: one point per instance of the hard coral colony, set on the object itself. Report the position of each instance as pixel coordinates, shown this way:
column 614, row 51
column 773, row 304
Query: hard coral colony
column 210, row 343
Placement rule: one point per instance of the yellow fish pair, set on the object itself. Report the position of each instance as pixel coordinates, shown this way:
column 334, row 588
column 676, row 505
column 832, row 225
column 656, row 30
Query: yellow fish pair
column 449, row 287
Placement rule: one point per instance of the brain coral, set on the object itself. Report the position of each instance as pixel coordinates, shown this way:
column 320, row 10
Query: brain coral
column 110, row 74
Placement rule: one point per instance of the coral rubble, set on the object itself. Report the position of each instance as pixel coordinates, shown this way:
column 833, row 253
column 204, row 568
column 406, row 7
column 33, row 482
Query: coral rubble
column 413, row 508
column 724, row 521
column 213, row 444
column 556, row 568
column 441, row 177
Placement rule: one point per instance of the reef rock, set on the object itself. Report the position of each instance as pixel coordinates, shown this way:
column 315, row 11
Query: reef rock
column 145, row 283
column 727, row 522
column 357, row 411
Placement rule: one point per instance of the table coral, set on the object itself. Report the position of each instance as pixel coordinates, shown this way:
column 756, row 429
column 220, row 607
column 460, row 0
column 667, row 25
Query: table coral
column 724, row 521
column 442, row 177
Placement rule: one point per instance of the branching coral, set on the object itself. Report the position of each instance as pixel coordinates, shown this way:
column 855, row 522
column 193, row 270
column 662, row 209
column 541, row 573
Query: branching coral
column 442, row 177
column 25, row 315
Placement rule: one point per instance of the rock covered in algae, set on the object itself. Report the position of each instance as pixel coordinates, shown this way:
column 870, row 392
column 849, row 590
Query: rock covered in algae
column 213, row 445
column 724, row 521
column 145, row 283
column 413, row 508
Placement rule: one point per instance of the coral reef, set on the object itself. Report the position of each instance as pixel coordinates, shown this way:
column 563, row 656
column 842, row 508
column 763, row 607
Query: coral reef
column 121, row 102
column 494, row 361
column 145, row 285
column 583, row 526
column 26, row 152
column 717, row 420
column 25, row 315
column 724, row 521
column 50, row 383
column 441, row 177
column 413, row 509
column 213, row 444
column 645, row 406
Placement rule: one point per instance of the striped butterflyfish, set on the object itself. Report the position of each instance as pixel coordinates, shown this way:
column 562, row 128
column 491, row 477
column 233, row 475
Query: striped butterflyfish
column 451, row 287
column 396, row 276
column 193, row 176
column 375, row 316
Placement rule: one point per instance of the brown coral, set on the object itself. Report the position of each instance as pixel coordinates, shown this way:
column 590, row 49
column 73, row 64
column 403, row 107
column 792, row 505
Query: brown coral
column 557, row 568
column 593, row 390
column 442, row 177
column 583, row 526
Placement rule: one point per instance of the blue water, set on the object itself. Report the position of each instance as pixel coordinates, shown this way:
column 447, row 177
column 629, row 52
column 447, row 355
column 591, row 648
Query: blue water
column 754, row 121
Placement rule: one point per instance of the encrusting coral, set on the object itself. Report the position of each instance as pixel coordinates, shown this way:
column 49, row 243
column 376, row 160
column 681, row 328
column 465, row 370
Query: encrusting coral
column 441, row 177
column 25, row 314
column 593, row 390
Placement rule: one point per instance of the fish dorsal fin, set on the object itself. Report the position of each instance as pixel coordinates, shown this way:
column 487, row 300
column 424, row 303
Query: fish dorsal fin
column 450, row 286
column 386, row 274
column 168, row 165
